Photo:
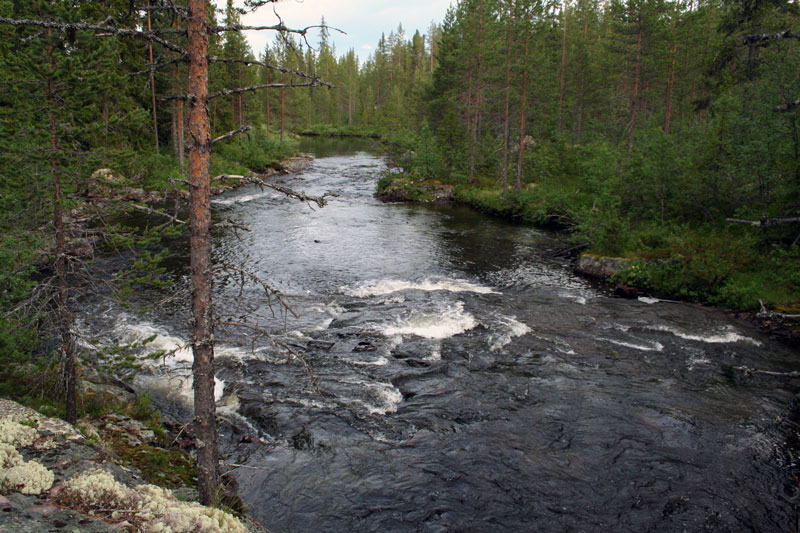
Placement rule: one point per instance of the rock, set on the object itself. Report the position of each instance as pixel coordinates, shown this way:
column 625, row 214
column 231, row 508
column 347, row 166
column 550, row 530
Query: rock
column 303, row 440
column 365, row 346
column 320, row 345
column 626, row 291
column 596, row 266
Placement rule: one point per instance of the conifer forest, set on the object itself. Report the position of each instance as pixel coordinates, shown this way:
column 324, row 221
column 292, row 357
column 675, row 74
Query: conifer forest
column 658, row 139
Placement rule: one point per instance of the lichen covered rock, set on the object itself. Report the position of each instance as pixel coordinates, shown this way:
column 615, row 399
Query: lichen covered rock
column 144, row 508
column 27, row 477
column 9, row 456
column 16, row 434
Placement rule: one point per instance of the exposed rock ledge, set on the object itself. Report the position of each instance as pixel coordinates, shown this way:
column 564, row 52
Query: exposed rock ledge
column 599, row 267
column 105, row 185
column 52, row 478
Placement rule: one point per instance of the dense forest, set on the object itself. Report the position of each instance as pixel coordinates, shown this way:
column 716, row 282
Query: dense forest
column 662, row 132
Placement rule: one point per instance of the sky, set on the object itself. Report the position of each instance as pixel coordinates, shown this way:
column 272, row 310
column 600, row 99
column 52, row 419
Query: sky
column 362, row 20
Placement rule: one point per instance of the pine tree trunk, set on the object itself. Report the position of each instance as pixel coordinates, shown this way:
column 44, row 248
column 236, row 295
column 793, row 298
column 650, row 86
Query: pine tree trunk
column 152, row 84
column 507, row 114
column 241, row 99
column 283, row 110
column 670, row 84
column 563, row 74
column 181, row 147
column 200, row 253
column 64, row 316
column 635, row 96
column 521, row 146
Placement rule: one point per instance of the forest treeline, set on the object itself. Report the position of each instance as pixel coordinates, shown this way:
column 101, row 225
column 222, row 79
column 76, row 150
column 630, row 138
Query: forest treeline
column 650, row 129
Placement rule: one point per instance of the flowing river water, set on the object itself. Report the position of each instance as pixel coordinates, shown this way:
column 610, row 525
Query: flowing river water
column 459, row 377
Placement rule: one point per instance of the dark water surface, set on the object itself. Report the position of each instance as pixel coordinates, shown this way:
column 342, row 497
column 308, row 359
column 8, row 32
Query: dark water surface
column 464, row 380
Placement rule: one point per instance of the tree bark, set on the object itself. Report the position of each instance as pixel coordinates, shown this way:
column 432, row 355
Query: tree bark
column 63, row 315
column 670, row 85
column 507, row 114
column 563, row 72
column 200, row 252
column 152, row 85
column 635, row 96
column 518, row 179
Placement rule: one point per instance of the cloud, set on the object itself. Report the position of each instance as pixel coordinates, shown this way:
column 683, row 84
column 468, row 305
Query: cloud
column 362, row 20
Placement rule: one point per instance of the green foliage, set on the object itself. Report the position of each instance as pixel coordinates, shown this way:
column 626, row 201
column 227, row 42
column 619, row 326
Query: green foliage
column 152, row 171
column 255, row 151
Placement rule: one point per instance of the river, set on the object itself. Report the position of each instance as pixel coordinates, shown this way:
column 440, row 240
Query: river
column 457, row 376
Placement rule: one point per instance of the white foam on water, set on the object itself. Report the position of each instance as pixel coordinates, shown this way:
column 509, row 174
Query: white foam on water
column 577, row 298
column 442, row 325
column 649, row 347
column 389, row 286
column 648, row 300
column 245, row 198
column 695, row 361
column 727, row 336
column 512, row 328
column 386, row 396
column 174, row 368
column 436, row 353
column 381, row 361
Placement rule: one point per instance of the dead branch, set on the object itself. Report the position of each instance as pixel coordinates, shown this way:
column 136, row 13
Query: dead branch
column 255, row 180
column 766, row 37
column 159, row 66
column 151, row 211
column 788, row 106
column 315, row 82
column 104, row 29
column 751, row 371
column 248, row 62
column 240, row 129
column 292, row 352
column 765, row 222
column 268, row 289
column 187, row 97
column 228, row 223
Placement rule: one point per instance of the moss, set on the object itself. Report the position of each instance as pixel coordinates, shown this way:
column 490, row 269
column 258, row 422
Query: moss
column 169, row 467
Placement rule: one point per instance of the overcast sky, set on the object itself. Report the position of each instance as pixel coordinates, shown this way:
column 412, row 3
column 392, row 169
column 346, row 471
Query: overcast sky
column 363, row 20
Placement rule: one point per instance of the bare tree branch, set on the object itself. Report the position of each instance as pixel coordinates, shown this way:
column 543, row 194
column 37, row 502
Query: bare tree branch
column 159, row 66
column 788, row 106
column 151, row 211
column 226, row 92
column 268, row 289
column 240, row 129
column 766, row 37
column 105, row 30
column 255, row 180
column 249, row 62
column 764, row 222
column 188, row 97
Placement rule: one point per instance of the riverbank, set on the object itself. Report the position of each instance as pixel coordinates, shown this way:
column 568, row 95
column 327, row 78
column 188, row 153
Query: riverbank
column 56, row 476
column 722, row 265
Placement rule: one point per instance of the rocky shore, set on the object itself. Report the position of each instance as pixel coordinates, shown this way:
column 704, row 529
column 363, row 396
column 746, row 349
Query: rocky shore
column 58, row 477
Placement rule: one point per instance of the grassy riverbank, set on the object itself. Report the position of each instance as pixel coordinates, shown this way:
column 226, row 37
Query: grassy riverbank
column 678, row 246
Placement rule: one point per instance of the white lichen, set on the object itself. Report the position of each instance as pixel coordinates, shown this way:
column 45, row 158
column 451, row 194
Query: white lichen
column 27, row 477
column 16, row 434
column 9, row 456
column 94, row 489
column 146, row 508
